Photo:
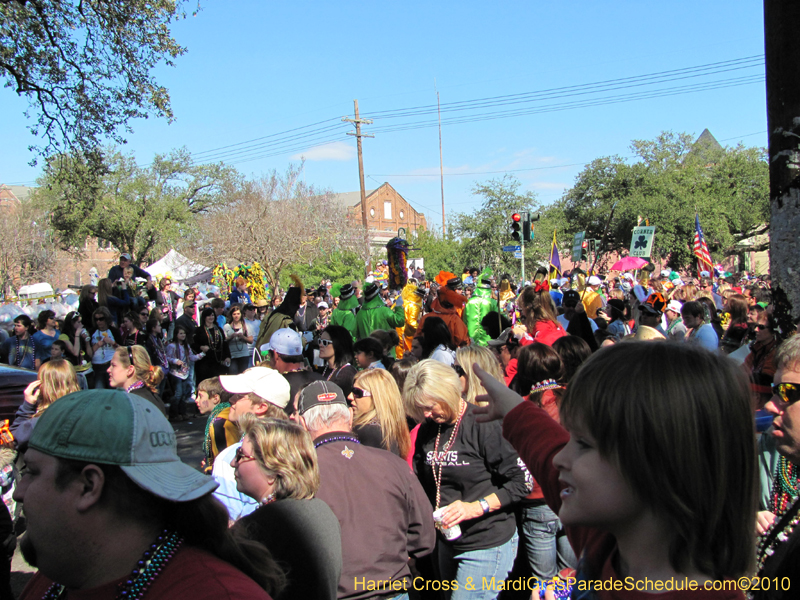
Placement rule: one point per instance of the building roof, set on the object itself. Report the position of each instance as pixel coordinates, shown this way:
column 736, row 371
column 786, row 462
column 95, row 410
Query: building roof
column 707, row 140
column 350, row 198
column 9, row 192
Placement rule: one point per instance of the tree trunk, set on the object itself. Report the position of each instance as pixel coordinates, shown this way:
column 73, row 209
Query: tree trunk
column 781, row 30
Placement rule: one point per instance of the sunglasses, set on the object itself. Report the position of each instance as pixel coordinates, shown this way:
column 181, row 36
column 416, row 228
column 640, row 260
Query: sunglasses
column 241, row 457
column 144, row 314
column 789, row 393
column 459, row 371
column 761, row 327
column 325, row 343
column 99, row 319
column 359, row 393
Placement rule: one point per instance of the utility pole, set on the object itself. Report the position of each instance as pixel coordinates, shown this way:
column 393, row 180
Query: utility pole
column 441, row 162
column 357, row 122
column 783, row 123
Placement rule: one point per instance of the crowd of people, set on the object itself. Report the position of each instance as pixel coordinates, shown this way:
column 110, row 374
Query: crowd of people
column 462, row 437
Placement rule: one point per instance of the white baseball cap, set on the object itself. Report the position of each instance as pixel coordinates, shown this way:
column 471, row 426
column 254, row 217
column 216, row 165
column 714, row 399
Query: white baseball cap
column 261, row 381
column 674, row 306
column 285, row 341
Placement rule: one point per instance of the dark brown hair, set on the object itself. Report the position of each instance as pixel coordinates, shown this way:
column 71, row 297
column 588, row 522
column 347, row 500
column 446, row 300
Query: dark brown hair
column 687, row 411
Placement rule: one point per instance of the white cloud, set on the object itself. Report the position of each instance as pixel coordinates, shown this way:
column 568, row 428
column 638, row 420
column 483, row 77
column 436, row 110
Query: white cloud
column 333, row 151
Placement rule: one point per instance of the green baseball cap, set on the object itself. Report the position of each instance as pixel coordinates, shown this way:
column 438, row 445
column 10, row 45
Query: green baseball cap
column 116, row 428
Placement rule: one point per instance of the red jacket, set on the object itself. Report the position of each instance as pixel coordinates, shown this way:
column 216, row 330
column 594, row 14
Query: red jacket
column 544, row 332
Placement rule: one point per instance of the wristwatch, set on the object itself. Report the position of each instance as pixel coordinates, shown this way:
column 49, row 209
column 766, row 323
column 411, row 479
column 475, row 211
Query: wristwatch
column 484, row 505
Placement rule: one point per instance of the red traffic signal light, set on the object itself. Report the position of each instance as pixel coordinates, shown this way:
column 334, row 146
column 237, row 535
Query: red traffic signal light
column 515, row 227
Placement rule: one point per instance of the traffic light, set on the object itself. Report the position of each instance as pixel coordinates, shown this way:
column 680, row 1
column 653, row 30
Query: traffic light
column 585, row 250
column 527, row 227
column 516, row 219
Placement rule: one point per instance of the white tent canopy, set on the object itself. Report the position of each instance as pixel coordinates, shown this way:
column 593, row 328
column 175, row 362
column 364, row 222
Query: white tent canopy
column 177, row 266
column 36, row 290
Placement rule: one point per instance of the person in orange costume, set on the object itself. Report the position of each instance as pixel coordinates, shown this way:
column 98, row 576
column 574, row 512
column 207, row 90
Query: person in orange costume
column 446, row 306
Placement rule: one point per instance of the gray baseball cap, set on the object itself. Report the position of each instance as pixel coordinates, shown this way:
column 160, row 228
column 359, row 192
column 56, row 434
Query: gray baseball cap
column 113, row 427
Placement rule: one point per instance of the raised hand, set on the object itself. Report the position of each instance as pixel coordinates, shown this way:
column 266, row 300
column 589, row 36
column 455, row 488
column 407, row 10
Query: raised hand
column 501, row 400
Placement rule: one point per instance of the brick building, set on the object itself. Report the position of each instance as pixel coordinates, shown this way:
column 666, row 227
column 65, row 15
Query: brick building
column 387, row 211
column 70, row 270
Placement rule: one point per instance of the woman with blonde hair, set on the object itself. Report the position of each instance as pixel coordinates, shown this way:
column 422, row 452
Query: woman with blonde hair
column 380, row 420
column 466, row 356
column 132, row 371
column 56, row 378
column 689, row 293
column 276, row 465
column 469, row 471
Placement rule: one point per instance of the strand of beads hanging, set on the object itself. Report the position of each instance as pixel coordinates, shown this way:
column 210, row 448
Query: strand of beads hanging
column 769, row 542
column 339, row 438
column 438, row 457
column 144, row 573
column 784, row 486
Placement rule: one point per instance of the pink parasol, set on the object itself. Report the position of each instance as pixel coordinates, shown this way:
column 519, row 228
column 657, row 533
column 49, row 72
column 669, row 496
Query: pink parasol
column 628, row 264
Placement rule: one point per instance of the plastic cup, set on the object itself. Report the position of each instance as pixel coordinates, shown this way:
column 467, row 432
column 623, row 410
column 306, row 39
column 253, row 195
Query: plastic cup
column 453, row 533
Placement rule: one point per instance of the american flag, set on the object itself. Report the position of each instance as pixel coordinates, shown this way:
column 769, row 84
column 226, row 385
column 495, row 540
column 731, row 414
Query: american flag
column 700, row 248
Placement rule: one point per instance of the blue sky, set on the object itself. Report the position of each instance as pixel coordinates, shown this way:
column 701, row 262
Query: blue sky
column 254, row 69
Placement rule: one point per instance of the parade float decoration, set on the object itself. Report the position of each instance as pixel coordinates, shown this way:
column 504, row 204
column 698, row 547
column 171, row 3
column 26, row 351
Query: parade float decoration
column 224, row 277
column 397, row 250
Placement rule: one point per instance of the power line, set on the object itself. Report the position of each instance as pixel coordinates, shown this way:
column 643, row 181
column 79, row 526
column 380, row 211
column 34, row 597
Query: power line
column 294, row 144
column 331, row 130
column 625, row 82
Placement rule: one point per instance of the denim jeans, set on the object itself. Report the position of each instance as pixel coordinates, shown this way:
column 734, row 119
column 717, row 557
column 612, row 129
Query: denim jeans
column 545, row 542
column 181, row 395
column 239, row 365
column 470, row 568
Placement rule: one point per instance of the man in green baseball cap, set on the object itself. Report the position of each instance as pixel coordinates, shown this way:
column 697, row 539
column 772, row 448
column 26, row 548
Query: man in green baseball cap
column 110, row 506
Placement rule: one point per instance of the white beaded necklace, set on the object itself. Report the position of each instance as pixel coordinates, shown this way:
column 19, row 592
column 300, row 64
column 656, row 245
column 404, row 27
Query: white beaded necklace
column 437, row 476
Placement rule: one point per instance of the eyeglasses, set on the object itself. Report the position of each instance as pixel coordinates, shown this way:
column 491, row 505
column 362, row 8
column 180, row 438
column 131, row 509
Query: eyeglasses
column 461, row 372
column 325, row 343
column 99, row 319
column 789, row 393
column 359, row 393
column 241, row 457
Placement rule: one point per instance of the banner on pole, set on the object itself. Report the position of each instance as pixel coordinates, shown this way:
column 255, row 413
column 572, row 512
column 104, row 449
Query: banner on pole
column 642, row 241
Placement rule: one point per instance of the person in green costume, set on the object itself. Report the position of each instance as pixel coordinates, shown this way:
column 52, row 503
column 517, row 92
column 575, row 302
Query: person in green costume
column 344, row 315
column 374, row 314
column 479, row 305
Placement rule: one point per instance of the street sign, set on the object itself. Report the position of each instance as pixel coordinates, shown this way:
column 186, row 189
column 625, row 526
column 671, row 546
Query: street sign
column 642, row 241
column 577, row 243
column 517, row 254
column 512, row 248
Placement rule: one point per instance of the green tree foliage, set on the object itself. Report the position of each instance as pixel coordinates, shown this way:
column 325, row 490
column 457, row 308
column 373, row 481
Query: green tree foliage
column 440, row 253
column 85, row 67
column 340, row 266
column 672, row 179
column 484, row 232
column 140, row 210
